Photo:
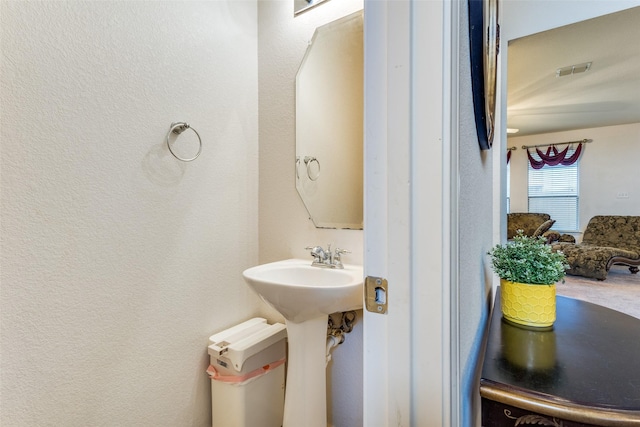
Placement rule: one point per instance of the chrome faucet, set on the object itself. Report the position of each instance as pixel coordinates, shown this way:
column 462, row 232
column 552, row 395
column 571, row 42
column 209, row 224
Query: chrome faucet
column 319, row 255
column 327, row 259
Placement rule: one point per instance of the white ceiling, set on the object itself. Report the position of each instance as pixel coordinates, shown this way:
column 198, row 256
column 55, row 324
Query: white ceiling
column 607, row 94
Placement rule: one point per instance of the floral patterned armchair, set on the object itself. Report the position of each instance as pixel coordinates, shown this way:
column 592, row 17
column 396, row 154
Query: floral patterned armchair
column 531, row 224
column 608, row 240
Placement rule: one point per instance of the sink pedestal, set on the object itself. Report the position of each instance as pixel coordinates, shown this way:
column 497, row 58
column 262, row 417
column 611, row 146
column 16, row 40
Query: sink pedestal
column 305, row 295
column 305, row 400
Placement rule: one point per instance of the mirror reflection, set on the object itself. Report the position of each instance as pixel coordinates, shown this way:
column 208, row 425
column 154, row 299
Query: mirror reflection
column 576, row 82
column 578, row 76
column 329, row 125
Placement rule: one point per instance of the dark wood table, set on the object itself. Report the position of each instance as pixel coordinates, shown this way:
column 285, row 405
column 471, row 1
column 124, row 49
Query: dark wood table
column 584, row 371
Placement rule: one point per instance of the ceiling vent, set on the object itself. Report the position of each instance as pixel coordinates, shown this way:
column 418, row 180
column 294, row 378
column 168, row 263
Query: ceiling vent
column 573, row 69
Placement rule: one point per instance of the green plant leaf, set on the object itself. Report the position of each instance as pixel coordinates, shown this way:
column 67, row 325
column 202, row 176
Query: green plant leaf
column 528, row 260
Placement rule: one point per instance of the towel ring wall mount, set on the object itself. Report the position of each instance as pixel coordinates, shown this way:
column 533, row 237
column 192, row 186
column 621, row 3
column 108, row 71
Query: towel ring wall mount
column 309, row 160
column 177, row 128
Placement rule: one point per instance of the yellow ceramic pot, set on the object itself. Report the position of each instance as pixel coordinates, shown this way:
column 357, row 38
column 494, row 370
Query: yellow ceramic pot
column 529, row 305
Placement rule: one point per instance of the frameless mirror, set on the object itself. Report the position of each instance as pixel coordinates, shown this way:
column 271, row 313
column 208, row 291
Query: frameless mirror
column 582, row 78
column 329, row 125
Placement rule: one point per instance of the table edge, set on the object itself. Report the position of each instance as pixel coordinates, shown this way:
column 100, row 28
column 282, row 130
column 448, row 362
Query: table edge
column 556, row 407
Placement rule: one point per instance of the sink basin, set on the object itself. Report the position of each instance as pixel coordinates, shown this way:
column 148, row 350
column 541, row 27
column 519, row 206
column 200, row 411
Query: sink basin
column 301, row 292
column 305, row 296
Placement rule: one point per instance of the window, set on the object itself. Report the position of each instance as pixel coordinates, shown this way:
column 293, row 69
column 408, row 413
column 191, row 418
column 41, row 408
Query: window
column 554, row 190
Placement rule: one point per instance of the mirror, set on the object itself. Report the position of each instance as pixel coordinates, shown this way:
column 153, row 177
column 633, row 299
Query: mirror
column 484, row 45
column 574, row 82
column 329, row 125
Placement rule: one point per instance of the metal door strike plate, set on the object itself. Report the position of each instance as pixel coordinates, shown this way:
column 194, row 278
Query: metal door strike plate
column 375, row 294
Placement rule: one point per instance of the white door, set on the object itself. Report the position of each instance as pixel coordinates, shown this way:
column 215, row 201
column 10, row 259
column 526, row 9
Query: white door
column 408, row 376
column 411, row 372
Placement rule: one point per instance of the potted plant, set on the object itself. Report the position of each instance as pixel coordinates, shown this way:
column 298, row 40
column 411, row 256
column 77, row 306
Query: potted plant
column 528, row 271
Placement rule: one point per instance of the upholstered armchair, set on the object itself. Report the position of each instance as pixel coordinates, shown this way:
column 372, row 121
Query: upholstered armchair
column 531, row 224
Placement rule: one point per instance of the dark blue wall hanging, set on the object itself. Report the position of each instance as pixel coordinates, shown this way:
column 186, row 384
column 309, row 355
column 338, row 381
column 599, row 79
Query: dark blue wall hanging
column 484, row 40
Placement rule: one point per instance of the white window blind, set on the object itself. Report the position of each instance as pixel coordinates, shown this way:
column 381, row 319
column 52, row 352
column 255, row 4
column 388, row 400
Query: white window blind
column 554, row 190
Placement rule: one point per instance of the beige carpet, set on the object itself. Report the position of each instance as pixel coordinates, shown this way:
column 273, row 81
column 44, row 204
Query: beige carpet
column 620, row 291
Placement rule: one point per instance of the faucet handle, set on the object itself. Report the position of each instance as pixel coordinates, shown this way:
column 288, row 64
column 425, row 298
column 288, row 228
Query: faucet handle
column 338, row 254
column 341, row 251
column 337, row 261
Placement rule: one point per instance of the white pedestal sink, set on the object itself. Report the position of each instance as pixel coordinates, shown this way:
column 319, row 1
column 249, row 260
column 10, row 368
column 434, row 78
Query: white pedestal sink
column 305, row 296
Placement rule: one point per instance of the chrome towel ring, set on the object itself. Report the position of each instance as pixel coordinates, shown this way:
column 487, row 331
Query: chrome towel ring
column 308, row 160
column 177, row 128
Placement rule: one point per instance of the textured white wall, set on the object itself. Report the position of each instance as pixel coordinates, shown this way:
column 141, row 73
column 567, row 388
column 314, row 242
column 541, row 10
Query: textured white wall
column 118, row 261
column 475, row 236
column 285, row 228
column 608, row 166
